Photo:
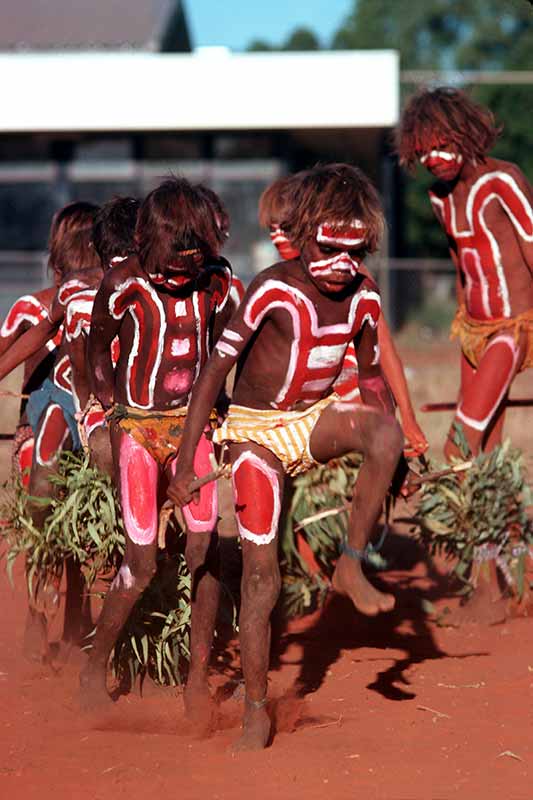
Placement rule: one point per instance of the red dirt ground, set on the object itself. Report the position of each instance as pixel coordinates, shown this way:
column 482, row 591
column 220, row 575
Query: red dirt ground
column 395, row 709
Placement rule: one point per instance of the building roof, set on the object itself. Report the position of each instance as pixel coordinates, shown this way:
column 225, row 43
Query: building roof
column 95, row 24
column 210, row 91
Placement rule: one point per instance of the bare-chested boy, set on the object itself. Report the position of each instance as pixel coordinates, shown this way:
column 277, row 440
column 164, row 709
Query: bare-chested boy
column 273, row 207
column 51, row 407
column 485, row 207
column 289, row 337
column 166, row 305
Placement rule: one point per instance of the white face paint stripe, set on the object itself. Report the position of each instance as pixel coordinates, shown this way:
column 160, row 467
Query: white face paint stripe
column 273, row 477
column 481, row 424
column 339, row 263
column 324, row 238
column 442, row 154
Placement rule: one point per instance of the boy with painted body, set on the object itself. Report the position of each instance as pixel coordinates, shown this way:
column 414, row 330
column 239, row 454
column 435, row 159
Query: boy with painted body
column 485, row 207
column 167, row 306
column 273, row 207
column 27, row 311
column 289, row 338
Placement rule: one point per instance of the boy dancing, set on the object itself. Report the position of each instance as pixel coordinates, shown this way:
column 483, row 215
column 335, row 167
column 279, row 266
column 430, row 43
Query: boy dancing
column 289, row 338
column 167, row 306
column 485, row 207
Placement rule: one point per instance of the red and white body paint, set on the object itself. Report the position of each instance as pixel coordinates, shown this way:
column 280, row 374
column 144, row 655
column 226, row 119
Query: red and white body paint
column 52, row 435
column 317, row 352
column 24, row 461
column 440, row 158
column 344, row 237
column 257, row 497
column 498, row 367
column 237, row 291
column 177, row 332
column 478, row 250
column 27, row 310
column 282, row 244
column 347, row 384
column 139, row 481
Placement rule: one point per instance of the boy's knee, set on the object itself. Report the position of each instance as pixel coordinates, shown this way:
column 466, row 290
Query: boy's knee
column 261, row 585
column 200, row 549
column 388, row 440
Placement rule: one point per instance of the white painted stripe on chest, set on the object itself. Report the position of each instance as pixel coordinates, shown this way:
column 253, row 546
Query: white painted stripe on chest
column 180, row 309
column 326, row 355
column 180, row 347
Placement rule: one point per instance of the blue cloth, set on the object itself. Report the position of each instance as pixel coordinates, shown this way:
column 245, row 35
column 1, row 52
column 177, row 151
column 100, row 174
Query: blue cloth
column 42, row 398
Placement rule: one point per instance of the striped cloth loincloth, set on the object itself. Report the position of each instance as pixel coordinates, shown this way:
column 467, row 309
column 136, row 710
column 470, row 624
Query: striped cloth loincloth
column 284, row 433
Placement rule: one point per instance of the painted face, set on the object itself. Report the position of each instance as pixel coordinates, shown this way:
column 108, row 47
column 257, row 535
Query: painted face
column 443, row 161
column 334, row 257
column 282, row 244
column 181, row 273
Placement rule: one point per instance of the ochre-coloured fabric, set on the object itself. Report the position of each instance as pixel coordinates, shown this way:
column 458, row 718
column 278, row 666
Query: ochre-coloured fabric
column 284, row 433
column 159, row 432
column 474, row 334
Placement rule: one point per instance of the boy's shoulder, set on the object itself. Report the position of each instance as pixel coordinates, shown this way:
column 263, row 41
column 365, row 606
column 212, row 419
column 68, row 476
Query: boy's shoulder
column 119, row 273
column 497, row 167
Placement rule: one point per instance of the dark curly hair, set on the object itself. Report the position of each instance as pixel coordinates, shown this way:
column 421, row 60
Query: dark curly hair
column 445, row 114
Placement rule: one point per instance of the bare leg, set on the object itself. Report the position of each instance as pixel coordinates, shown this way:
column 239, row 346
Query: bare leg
column 51, row 437
column 203, row 562
column 202, row 558
column 258, row 486
column 483, row 392
column 342, row 428
column 138, row 480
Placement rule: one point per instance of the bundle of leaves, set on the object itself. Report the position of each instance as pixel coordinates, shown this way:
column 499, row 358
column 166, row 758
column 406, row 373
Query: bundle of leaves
column 317, row 517
column 155, row 640
column 479, row 514
column 83, row 523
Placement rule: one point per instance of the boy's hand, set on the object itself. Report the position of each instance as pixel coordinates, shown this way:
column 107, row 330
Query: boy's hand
column 416, row 443
column 178, row 490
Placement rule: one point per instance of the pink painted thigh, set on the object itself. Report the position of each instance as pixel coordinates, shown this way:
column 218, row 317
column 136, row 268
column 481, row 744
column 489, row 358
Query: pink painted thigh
column 139, row 476
column 201, row 517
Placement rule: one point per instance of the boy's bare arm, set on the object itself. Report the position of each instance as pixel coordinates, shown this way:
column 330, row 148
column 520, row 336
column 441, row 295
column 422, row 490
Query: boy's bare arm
column 104, row 328
column 27, row 345
column 374, row 390
column 394, row 373
column 206, row 390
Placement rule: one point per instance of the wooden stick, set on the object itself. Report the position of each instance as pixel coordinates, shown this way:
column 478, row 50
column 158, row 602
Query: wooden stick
column 523, row 402
column 426, row 477
column 18, row 395
column 329, row 512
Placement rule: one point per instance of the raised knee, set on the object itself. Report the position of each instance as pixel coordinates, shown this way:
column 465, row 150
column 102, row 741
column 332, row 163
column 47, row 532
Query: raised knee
column 388, row 440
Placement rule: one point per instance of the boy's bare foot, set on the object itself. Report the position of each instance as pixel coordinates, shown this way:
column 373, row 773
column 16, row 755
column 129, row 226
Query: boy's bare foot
column 348, row 579
column 256, row 729
column 199, row 708
column 35, row 643
column 93, row 690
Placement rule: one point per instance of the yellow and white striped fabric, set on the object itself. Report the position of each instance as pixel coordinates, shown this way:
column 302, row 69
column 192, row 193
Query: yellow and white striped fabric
column 284, row 433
